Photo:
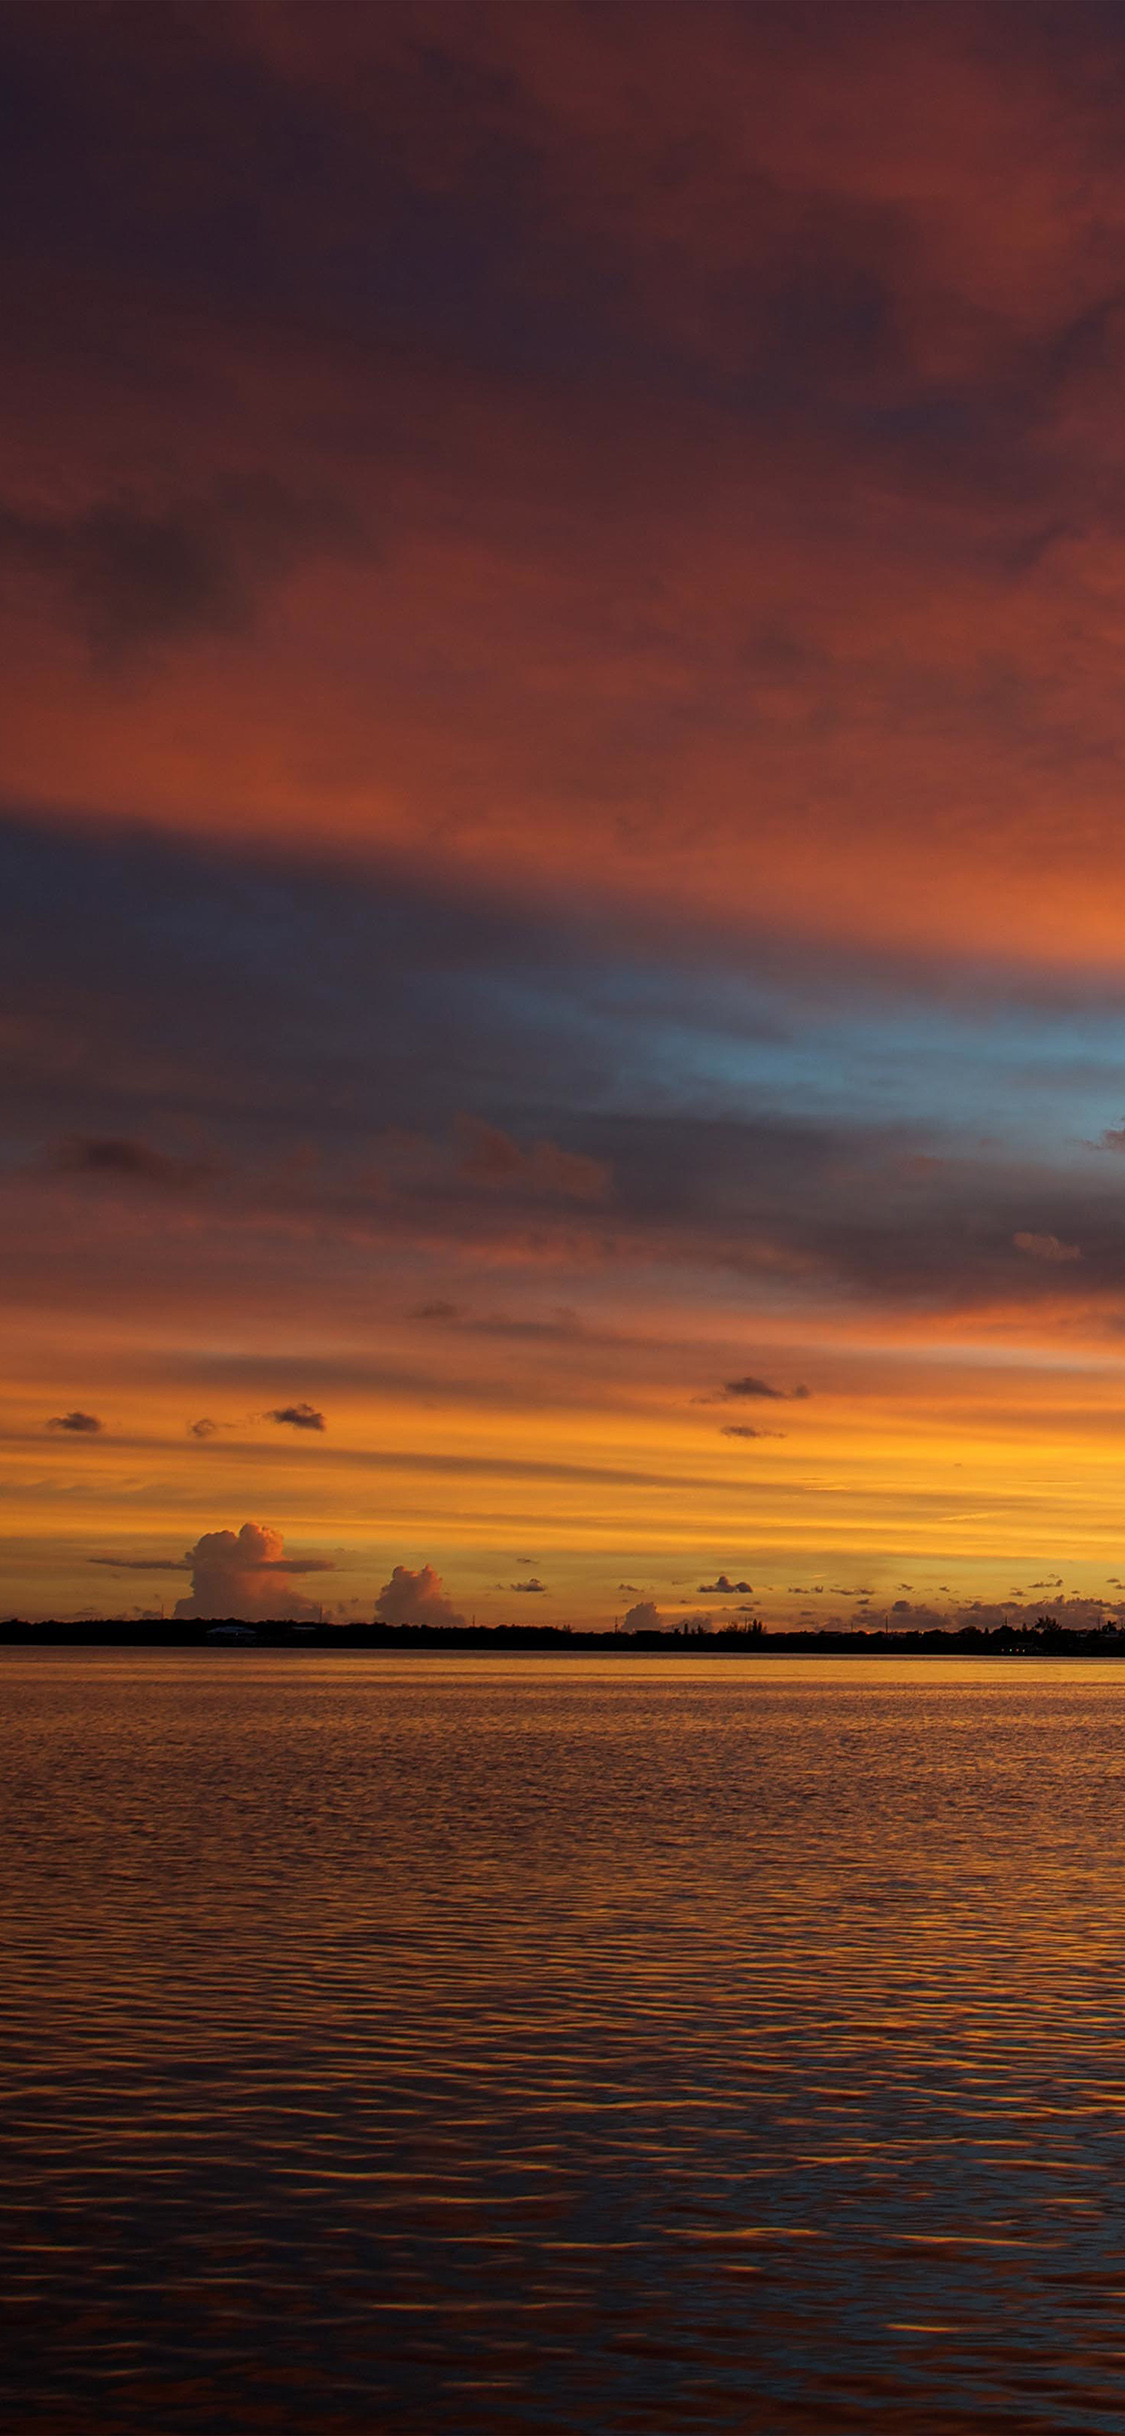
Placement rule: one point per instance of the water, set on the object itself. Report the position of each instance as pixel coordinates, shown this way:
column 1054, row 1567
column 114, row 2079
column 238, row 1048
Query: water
column 576, row 2045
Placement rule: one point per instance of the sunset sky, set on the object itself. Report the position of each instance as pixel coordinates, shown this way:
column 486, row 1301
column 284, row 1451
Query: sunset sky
column 562, row 585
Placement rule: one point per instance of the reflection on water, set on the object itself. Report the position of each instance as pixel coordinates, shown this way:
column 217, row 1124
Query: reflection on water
column 579, row 2045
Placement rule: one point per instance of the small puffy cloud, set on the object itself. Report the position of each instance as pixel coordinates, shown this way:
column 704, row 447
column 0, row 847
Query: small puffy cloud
column 490, row 1157
column 742, row 1429
column 1113, row 1138
column 751, row 1386
column 415, row 1598
column 436, row 1310
column 137, row 578
column 203, row 1428
column 1046, row 1247
column 298, row 1416
column 125, row 1161
column 644, row 1617
column 721, row 1588
column 532, row 1585
column 80, row 1425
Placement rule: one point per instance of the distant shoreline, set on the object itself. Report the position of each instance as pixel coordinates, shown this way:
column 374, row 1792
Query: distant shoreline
column 1047, row 1640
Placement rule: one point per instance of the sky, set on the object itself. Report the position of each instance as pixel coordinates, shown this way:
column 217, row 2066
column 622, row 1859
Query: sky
column 562, row 623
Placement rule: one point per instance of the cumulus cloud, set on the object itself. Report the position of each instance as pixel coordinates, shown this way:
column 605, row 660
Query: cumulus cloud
column 644, row 1617
column 244, row 1573
column 721, row 1588
column 298, row 1416
column 203, row 1428
column 415, row 1598
column 1046, row 1247
column 234, row 1573
column 921, row 1618
column 490, row 1157
column 533, row 1585
column 81, row 1425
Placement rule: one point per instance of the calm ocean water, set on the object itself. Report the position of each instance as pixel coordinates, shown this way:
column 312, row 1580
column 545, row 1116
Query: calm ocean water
column 582, row 2045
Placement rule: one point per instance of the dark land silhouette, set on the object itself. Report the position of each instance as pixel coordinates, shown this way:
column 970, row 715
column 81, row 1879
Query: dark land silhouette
column 1044, row 1638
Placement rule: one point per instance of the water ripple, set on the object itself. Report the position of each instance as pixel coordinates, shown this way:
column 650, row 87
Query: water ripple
column 561, row 2045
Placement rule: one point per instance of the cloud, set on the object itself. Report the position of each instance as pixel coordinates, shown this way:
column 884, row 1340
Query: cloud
column 140, row 576
column 533, row 1584
column 203, row 1428
column 644, row 1617
column 490, row 1158
column 144, row 1564
column 239, row 1573
column 131, row 1162
column 244, row 1574
column 1047, row 1247
column 1112, row 1139
column 742, row 1429
column 81, row 1425
column 298, row 1416
column 721, row 1588
column 436, row 1310
column 922, row 1618
column 750, row 1386
column 415, row 1598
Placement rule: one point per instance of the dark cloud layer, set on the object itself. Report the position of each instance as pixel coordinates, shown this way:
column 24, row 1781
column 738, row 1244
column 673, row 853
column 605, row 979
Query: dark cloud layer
column 184, row 1019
